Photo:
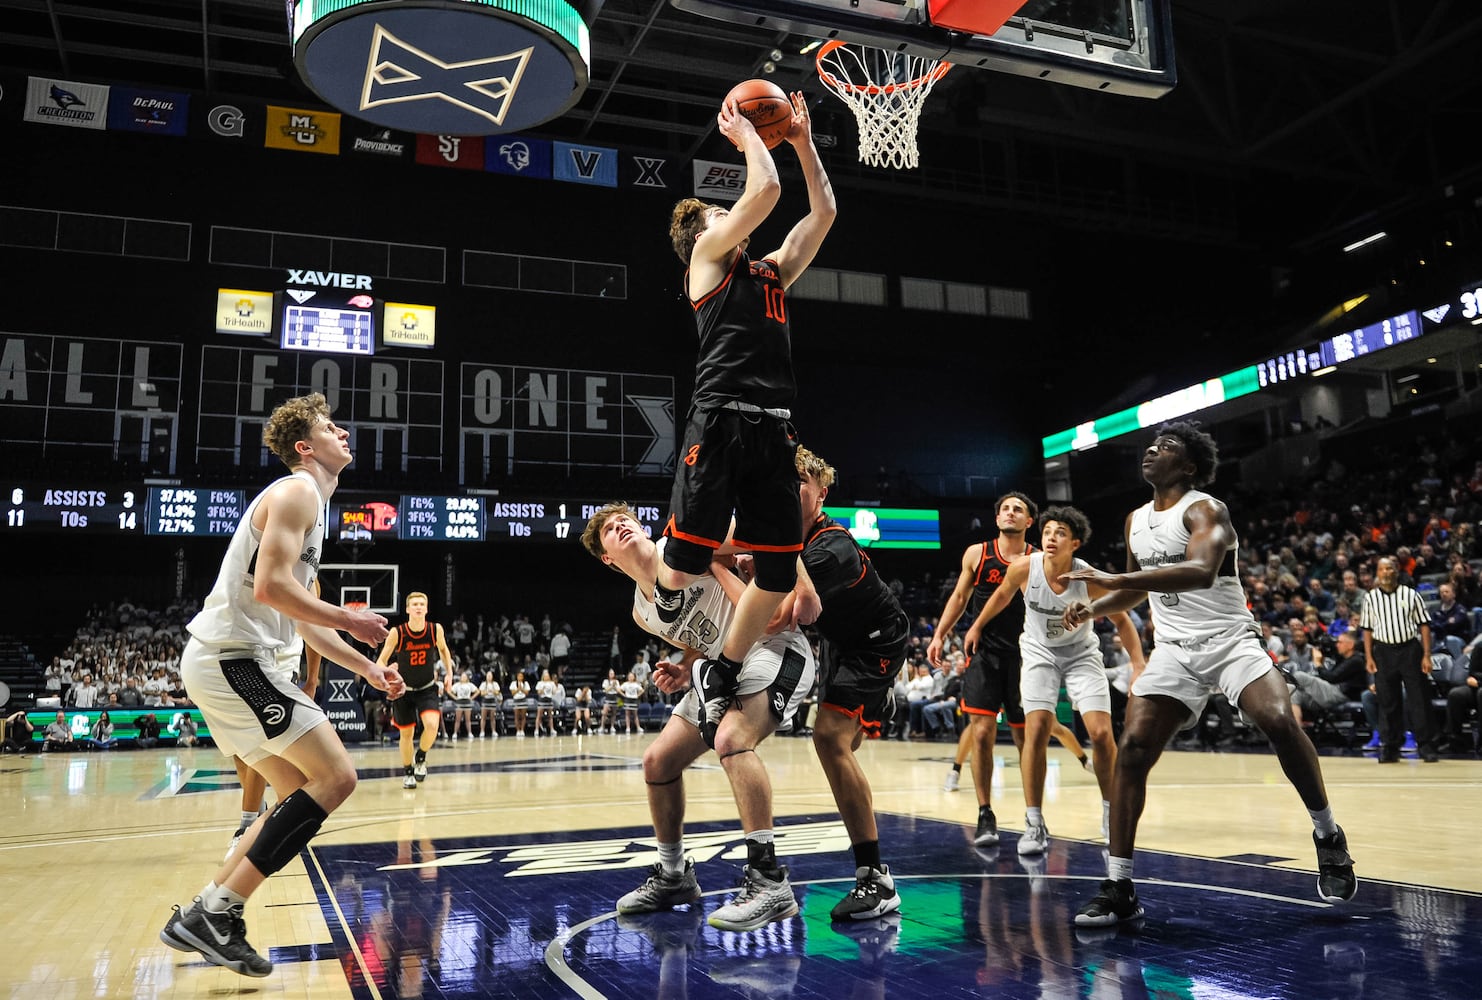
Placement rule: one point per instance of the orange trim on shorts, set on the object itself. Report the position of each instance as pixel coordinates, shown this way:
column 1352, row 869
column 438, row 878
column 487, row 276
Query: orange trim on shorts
column 673, row 530
column 871, row 729
column 983, row 711
column 756, row 547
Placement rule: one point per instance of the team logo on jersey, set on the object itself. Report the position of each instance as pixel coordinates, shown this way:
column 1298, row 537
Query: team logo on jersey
column 1168, row 600
column 274, row 714
column 779, row 703
column 994, row 576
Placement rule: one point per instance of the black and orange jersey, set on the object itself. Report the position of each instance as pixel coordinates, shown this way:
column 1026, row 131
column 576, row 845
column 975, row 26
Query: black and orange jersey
column 1004, row 630
column 415, row 654
column 745, row 345
column 860, row 614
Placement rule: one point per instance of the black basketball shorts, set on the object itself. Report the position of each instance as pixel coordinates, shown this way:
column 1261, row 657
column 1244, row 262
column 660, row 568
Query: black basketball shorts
column 409, row 707
column 991, row 684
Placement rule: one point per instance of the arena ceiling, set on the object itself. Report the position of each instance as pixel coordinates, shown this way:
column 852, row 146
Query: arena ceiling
column 1290, row 124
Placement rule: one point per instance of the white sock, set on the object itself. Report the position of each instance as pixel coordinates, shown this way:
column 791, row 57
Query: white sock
column 1034, row 815
column 1105, row 812
column 221, row 898
column 671, row 856
column 248, row 818
column 1119, row 868
column 761, row 836
column 210, row 888
column 1322, row 821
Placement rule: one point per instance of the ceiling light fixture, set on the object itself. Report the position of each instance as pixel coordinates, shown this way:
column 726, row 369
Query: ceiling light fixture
column 1375, row 238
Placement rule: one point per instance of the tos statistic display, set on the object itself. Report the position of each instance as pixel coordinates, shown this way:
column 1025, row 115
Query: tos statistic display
column 354, row 516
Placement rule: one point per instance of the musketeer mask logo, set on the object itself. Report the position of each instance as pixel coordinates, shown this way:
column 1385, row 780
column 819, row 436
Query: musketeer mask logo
column 398, row 73
column 226, row 120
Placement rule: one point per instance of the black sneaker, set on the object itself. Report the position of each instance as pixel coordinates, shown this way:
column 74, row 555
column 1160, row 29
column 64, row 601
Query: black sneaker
column 873, row 895
column 668, row 603
column 222, row 939
column 987, row 834
column 167, row 933
column 1117, row 901
column 714, row 685
column 1336, row 882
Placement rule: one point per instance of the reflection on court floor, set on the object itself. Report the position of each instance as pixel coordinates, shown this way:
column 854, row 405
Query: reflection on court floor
column 533, row 917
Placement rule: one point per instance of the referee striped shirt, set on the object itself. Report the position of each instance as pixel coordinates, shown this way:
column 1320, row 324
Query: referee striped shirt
column 1396, row 617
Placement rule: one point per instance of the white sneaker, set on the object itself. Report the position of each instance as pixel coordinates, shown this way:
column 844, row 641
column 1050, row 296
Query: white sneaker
column 759, row 902
column 1035, row 839
column 520, row 734
column 950, row 785
column 409, row 781
column 419, row 770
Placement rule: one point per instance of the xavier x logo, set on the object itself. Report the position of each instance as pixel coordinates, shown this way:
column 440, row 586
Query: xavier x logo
column 397, row 73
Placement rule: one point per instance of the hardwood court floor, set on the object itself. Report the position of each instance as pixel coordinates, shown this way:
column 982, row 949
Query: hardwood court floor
column 497, row 878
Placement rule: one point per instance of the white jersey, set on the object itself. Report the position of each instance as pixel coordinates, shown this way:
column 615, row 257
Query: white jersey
column 702, row 623
column 231, row 614
column 1159, row 538
column 1044, row 611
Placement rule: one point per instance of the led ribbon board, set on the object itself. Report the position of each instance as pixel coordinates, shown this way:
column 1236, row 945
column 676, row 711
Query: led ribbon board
column 448, row 67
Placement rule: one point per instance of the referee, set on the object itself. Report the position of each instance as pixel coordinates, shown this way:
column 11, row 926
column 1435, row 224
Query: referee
column 1399, row 662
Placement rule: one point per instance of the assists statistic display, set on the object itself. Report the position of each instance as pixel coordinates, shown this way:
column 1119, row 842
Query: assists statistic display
column 76, row 507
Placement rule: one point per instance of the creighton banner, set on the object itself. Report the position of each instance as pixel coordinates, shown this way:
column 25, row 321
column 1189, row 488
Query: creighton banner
column 62, row 102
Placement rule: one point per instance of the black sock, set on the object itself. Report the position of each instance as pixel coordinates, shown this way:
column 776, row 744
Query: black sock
column 762, row 856
column 867, row 854
column 957, row 768
column 409, row 769
column 421, row 756
column 730, row 669
column 984, row 811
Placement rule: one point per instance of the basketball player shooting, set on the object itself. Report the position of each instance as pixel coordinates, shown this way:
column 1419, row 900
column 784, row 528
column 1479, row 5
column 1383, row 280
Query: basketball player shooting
column 737, row 454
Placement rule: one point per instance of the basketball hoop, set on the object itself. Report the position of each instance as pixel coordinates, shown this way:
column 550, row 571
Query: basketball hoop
column 356, row 605
column 885, row 90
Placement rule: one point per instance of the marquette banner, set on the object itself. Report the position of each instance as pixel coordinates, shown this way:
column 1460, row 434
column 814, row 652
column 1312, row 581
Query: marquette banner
column 305, row 131
column 62, row 102
column 409, row 325
column 714, row 179
column 596, row 165
column 243, row 313
column 162, row 112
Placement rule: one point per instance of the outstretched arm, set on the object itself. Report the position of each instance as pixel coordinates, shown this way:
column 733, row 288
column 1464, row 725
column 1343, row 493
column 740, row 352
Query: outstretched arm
column 802, row 243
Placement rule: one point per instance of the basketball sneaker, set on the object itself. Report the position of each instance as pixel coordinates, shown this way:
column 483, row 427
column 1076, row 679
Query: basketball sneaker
column 1035, row 839
column 953, row 779
column 410, row 781
column 167, row 933
column 873, row 895
column 1116, row 902
column 1336, row 882
column 762, row 899
column 419, row 769
column 714, row 685
column 987, row 834
column 233, row 845
column 662, row 890
column 222, row 939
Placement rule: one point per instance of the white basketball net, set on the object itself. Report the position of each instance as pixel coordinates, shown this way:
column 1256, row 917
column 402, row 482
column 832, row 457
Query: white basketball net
column 886, row 91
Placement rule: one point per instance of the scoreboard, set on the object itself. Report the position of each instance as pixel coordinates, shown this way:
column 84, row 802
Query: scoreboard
column 83, row 508
column 354, row 516
column 177, row 510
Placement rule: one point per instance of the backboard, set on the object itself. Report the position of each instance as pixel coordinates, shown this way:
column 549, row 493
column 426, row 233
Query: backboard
column 1117, row 46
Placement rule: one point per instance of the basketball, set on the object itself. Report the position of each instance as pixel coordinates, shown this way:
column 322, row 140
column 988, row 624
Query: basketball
column 766, row 106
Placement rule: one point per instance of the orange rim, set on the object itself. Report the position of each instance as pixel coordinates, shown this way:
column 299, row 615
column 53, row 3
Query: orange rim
column 937, row 72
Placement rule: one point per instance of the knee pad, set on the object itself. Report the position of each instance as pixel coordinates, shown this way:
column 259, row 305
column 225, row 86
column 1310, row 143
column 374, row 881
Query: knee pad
column 775, row 571
column 287, row 830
